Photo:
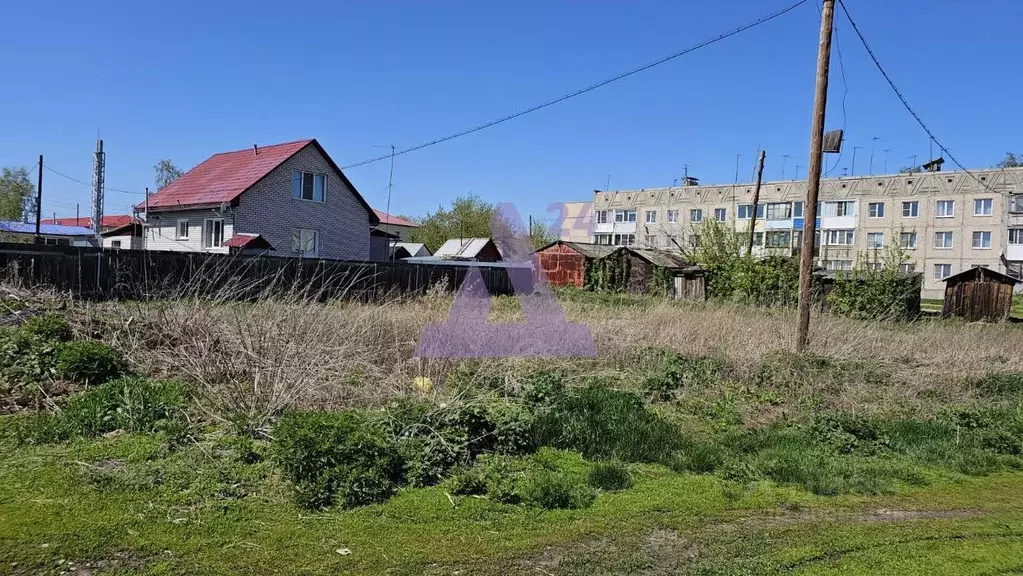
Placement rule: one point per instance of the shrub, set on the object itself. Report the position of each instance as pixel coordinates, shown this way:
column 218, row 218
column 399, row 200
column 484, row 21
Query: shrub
column 544, row 389
column 846, row 433
column 603, row 423
column 675, row 371
column 610, row 476
column 548, row 479
column 49, row 326
column 88, row 362
column 696, row 456
column 131, row 404
column 554, row 490
column 25, row 359
column 336, row 457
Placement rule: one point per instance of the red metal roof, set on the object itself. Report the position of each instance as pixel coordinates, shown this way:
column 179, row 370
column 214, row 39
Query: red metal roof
column 386, row 218
column 243, row 240
column 112, row 221
column 223, row 177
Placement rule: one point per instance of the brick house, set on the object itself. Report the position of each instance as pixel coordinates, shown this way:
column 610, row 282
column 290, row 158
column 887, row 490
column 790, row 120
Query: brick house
column 291, row 195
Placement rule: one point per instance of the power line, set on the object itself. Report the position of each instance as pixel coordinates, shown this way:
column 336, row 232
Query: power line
column 83, row 183
column 582, row 91
column 905, row 103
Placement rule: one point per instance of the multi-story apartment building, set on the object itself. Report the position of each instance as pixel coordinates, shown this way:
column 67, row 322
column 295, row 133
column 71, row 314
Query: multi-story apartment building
column 945, row 221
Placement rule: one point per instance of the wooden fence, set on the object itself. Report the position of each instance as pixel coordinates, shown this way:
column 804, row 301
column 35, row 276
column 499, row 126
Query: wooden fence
column 95, row 273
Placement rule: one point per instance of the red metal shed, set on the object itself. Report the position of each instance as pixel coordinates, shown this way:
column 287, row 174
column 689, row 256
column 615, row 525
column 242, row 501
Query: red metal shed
column 564, row 263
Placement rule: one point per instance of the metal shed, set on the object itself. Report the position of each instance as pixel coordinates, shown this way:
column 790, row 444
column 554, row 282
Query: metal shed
column 564, row 263
column 978, row 294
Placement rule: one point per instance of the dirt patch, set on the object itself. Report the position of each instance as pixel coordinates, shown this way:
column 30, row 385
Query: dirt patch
column 887, row 515
column 667, row 552
column 659, row 552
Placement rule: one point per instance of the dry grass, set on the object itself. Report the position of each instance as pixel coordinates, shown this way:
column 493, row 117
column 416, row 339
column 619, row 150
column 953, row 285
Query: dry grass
column 251, row 360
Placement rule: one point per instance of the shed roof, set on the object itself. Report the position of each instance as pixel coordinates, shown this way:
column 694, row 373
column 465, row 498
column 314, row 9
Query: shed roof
column 386, row 218
column 979, row 273
column 248, row 241
column 412, row 247
column 461, row 248
column 662, row 258
column 46, row 229
column 586, row 249
column 108, row 221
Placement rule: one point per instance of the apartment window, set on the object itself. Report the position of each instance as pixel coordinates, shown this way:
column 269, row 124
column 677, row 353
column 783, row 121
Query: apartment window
column 650, row 217
column 942, row 271
column 843, row 208
column 694, row 240
column 650, row 240
column 982, row 207
column 1015, row 236
column 213, row 233
column 720, row 214
column 624, row 240
column 758, row 238
column 600, row 216
column 841, row 237
column 875, row 210
column 838, row 265
column 797, row 209
column 779, row 211
column 602, row 239
column 946, row 208
column 305, row 242
column 907, row 268
column 779, row 239
column 907, row 240
column 981, row 240
column 911, row 209
column 182, row 230
column 625, row 215
column 115, row 244
column 308, row 186
column 875, row 265
column 745, row 212
column 875, row 240
column 672, row 216
column 696, row 215
column 942, row 239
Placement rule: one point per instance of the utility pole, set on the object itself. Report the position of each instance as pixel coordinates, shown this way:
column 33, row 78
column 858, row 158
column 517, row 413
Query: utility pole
column 873, row 141
column 39, row 200
column 737, row 156
column 784, row 160
column 886, row 159
column 820, row 104
column 913, row 163
column 145, row 224
column 98, row 182
column 390, row 185
column 853, row 171
column 78, row 214
column 756, row 201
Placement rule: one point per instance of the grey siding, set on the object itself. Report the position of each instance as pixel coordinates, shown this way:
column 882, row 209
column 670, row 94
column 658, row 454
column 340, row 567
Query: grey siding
column 161, row 232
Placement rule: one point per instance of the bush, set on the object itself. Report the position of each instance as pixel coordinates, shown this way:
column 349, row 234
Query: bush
column 603, row 423
column 610, row 476
column 88, row 362
column 130, row 404
column 675, row 371
column 553, row 490
column 25, row 359
column 545, row 480
column 544, row 389
column 336, row 457
column 49, row 326
column 696, row 456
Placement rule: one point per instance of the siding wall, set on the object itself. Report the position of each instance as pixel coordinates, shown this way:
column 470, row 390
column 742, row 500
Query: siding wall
column 161, row 232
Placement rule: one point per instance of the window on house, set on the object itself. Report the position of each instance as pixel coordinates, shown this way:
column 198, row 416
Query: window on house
column 981, row 239
column 982, row 207
column 875, row 240
column 797, row 209
column 841, row 237
column 651, row 216
column 907, row 268
column 907, row 240
column 305, row 242
column 779, row 211
column 600, row 216
column 672, row 216
column 745, row 212
column 720, row 214
column 116, row 244
column 602, row 239
column 624, row 240
column 875, row 265
column 911, row 209
column 213, row 233
column 1016, row 236
column 943, row 239
column 842, row 208
column 942, row 271
column 182, row 230
column 838, row 265
column 696, row 215
column 758, row 238
column 308, row 186
column 625, row 215
column 779, row 239
column 946, row 208
column 875, row 210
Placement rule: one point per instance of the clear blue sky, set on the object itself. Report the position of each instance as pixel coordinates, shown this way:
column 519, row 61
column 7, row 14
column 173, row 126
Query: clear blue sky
column 187, row 79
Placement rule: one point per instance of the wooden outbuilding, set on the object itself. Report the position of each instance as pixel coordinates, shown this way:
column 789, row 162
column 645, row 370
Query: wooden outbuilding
column 564, row 263
column 643, row 271
column 978, row 294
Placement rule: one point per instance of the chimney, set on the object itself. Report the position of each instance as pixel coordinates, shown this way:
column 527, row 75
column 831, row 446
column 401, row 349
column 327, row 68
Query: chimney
column 255, row 149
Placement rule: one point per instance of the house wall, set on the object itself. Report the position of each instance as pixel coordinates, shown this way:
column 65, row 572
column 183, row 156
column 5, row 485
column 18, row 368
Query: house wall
column 341, row 220
column 379, row 248
column 402, row 232
column 161, row 230
column 892, row 190
column 128, row 242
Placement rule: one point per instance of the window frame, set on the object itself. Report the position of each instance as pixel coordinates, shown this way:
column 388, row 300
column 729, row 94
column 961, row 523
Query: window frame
column 847, row 234
column 696, row 215
column 786, row 234
column 951, row 240
column 875, row 210
column 915, row 205
column 981, row 233
column 673, row 216
column 650, row 217
column 938, row 204
column 910, row 246
column 600, row 217
column 301, row 241
column 940, row 266
column 1019, row 237
column 207, row 242
column 871, row 245
column 990, row 207
column 723, row 212
column 177, row 232
column 298, row 185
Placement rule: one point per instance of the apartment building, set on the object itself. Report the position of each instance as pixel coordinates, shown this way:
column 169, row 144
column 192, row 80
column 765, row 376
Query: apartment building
column 947, row 222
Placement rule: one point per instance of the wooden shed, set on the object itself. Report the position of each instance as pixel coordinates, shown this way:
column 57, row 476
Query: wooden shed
column 642, row 271
column 564, row 263
column 978, row 294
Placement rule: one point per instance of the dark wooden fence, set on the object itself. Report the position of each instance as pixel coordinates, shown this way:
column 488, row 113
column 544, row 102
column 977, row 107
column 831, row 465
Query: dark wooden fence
column 96, row 273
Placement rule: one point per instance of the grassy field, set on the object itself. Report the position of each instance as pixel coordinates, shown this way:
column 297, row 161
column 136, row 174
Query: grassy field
column 933, row 305
column 889, row 449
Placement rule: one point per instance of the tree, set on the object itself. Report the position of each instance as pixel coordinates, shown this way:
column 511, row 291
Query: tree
column 166, row 172
column 1011, row 161
column 17, row 194
column 541, row 235
column 468, row 217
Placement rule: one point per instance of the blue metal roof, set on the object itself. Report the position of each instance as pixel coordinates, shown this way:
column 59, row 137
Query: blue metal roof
column 47, row 229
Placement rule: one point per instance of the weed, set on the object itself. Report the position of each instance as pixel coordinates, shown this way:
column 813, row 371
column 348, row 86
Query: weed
column 675, row 372
column 132, row 404
column 610, row 476
column 88, row 362
column 49, row 326
column 554, row 490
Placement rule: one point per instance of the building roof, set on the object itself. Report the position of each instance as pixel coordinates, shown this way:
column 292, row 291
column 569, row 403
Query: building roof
column 586, row 249
column 248, row 241
column 45, row 229
column 662, row 258
column 128, row 229
column 223, row 177
column 461, row 248
column 111, row 221
column 386, row 218
column 468, row 263
column 412, row 247
column 981, row 272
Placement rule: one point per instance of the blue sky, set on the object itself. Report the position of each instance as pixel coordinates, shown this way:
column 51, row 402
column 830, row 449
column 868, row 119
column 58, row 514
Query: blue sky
column 185, row 80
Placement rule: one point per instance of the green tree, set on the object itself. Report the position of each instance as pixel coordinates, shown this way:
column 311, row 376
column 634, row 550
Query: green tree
column 468, row 217
column 541, row 235
column 910, row 170
column 166, row 172
column 1011, row 161
column 17, row 194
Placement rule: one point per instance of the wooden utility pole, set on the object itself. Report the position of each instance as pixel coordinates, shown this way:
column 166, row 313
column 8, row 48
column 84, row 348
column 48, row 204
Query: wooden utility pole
column 813, row 175
column 756, row 201
column 39, row 199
